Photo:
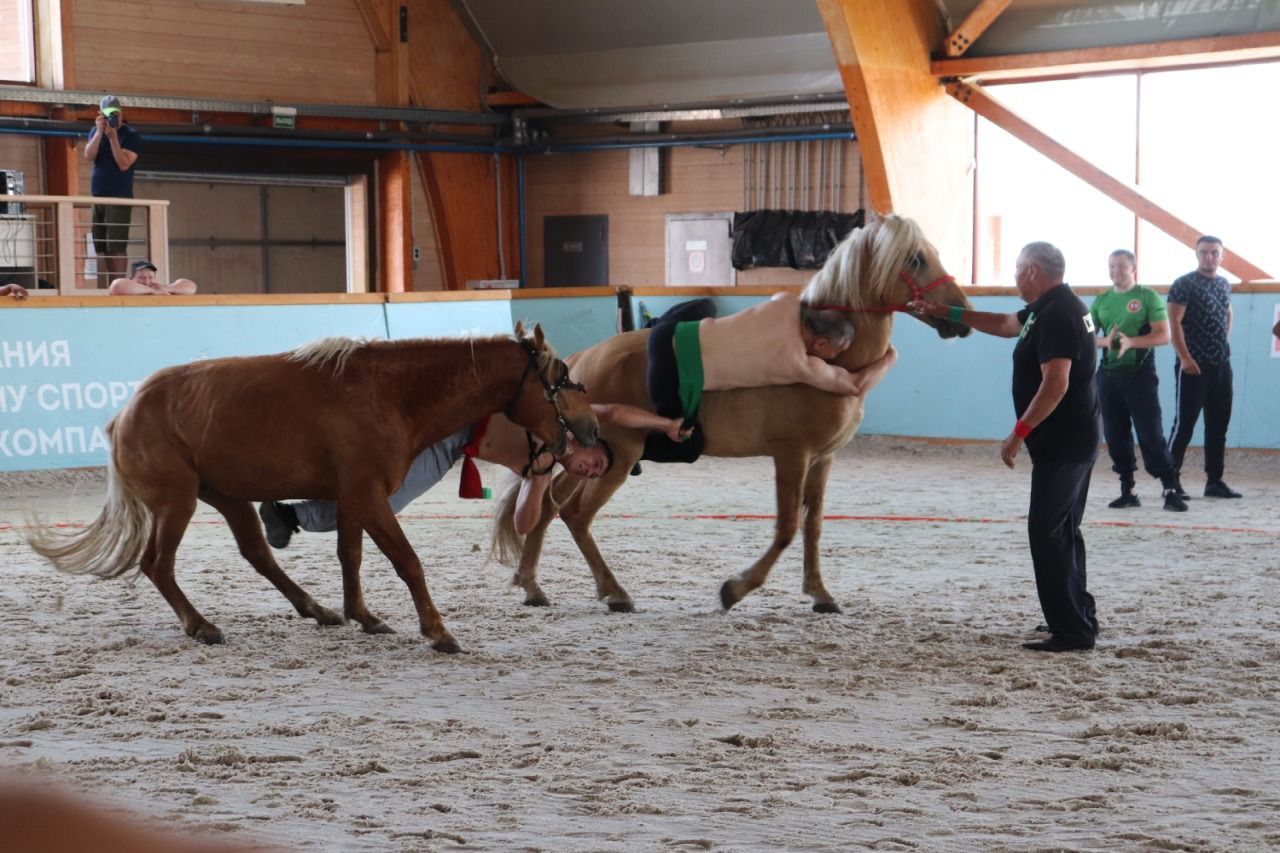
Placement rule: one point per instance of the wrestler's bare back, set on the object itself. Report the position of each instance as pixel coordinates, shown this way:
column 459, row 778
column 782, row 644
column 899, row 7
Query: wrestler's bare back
column 762, row 345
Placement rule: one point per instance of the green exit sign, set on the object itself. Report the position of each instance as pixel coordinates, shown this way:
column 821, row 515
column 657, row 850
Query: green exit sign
column 284, row 117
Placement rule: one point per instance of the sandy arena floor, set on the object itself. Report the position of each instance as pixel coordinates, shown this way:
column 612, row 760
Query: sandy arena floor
column 911, row 722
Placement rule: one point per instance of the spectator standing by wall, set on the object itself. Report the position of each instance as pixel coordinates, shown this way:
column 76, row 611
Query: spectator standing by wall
column 1200, row 320
column 1132, row 319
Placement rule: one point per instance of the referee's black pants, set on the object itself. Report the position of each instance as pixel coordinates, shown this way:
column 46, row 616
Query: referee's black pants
column 1058, row 494
column 1131, row 404
column 1209, row 391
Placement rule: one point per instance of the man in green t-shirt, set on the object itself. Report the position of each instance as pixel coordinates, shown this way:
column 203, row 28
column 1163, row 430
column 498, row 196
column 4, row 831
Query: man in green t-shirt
column 1132, row 319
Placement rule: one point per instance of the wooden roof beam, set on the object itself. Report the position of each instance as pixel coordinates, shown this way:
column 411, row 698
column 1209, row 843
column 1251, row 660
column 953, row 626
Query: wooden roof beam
column 974, row 25
column 978, row 100
column 375, row 14
column 1251, row 47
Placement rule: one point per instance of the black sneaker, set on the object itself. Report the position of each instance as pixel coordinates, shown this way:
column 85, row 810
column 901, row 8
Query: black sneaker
column 1173, row 502
column 1177, row 487
column 1219, row 489
column 1126, row 500
column 280, row 521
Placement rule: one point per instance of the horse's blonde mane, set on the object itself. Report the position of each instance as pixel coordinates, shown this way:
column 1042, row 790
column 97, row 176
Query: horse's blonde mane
column 335, row 349
column 866, row 263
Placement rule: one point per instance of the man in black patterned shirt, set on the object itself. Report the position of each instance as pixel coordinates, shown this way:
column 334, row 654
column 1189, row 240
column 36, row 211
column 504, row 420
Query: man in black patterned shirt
column 1200, row 320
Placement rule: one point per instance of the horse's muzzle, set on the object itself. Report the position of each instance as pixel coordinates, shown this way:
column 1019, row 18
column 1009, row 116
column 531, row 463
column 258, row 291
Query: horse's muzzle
column 947, row 329
column 586, row 432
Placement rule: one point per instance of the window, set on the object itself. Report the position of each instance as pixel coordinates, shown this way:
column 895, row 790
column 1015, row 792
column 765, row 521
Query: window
column 1195, row 142
column 17, row 42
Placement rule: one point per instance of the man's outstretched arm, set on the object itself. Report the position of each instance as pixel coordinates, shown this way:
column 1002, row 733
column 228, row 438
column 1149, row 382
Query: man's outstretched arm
column 630, row 417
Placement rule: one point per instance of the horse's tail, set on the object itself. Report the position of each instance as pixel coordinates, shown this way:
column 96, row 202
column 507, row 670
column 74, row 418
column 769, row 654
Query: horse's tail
column 506, row 544
column 110, row 546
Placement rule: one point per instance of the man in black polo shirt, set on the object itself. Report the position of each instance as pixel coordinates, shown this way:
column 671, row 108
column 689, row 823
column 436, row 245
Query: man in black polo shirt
column 1057, row 405
column 1200, row 320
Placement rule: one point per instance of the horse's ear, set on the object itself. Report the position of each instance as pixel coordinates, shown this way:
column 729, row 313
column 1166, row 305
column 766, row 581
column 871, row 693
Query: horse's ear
column 538, row 339
column 519, row 329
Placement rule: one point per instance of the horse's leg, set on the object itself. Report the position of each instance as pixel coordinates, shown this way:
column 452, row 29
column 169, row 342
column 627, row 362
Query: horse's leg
column 815, row 491
column 578, row 515
column 789, row 472
column 169, row 522
column 380, row 522
column 350, row 555
column 245, row 526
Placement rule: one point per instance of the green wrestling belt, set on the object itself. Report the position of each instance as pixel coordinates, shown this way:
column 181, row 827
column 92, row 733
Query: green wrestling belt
column 689, row 365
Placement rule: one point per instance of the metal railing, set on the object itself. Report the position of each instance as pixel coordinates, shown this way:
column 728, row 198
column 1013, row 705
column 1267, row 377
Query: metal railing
column 47, row 243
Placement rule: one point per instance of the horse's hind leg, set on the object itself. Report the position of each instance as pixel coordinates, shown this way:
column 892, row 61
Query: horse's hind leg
column 247, row 530
column 789, row 472
column 169, row 523
column 578, row 515
column 815, row 491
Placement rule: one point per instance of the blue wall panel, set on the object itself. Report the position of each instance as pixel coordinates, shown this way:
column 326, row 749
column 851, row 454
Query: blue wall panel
column 65, row 371
column 448, row 319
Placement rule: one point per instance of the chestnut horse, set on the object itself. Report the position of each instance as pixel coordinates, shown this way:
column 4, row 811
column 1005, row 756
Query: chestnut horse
column 872, row 273
column 337, row 420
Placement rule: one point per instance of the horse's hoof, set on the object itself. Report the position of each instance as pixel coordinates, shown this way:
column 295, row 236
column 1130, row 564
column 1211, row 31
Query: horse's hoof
column 325, row 616
column 538, row 600
column 826, row 607
column 621, row 607
column 379, row 627
column 448, row 646
column 209, row 634
column 728, row 597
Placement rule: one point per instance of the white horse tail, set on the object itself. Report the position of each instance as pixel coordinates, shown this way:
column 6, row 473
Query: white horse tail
column 110, row 546
column 506, row 544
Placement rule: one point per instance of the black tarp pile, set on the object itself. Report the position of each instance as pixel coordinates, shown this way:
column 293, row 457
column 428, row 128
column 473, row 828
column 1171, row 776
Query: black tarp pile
column 800, row 239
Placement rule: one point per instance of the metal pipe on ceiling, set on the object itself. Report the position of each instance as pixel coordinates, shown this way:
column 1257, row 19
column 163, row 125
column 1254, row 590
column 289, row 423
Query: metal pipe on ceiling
column 84, row 99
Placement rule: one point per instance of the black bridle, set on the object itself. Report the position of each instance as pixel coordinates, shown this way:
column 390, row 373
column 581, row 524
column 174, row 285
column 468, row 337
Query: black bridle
column 551, row 391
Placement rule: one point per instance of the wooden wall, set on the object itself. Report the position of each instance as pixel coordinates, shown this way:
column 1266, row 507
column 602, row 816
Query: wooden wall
column 231, row 238
column 427, row 273
column 695, row 180
column 319, row 52
column 24, row 154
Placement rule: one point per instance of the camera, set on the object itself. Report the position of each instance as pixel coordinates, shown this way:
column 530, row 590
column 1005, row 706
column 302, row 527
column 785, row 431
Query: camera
column 114, row 119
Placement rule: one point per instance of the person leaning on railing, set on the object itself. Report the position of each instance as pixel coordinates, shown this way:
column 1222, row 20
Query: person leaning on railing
column 142, row 282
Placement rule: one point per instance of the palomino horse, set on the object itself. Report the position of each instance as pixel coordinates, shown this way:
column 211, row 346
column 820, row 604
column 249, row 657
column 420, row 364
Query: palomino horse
column 874, row 272
column 336, row 420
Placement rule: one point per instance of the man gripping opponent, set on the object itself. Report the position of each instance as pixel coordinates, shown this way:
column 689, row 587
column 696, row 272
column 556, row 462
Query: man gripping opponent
column 779, row 342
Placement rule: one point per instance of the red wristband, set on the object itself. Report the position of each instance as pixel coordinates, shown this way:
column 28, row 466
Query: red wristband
column 1020, row 428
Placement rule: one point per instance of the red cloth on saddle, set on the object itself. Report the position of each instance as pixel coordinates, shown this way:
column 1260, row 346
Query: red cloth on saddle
column 470, row 485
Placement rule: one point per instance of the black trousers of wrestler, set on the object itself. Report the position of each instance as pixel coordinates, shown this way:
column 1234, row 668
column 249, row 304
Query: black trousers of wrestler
column 1132, row 404
column 1058, row 494
column 663, row 382
column 1210, row 392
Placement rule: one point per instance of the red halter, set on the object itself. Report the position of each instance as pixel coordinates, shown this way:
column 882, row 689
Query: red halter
column 917, row 293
